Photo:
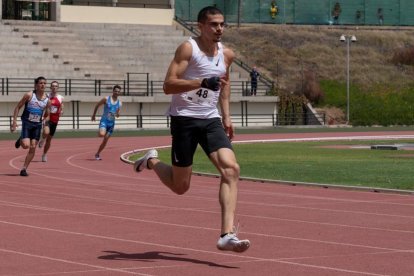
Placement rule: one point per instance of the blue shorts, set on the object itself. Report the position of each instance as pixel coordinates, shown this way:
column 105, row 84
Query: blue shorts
column 108, row 126
column 31, row 130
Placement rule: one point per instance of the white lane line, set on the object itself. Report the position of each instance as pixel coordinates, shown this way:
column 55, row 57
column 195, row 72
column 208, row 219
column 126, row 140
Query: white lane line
column 70, row 262
column 190, row 249
column 129, row 203
column 66, row 211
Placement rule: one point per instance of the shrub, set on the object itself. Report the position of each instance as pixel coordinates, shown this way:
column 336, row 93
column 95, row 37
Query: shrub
column 381, row 104
column 291, row 109
column 404, row 56
column 312, row 90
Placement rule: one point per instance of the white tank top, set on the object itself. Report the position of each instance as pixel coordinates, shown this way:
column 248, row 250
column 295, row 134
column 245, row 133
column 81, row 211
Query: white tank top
column 200, row 103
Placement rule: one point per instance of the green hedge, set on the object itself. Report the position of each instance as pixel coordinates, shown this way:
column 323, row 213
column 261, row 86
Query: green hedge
column 377, row 105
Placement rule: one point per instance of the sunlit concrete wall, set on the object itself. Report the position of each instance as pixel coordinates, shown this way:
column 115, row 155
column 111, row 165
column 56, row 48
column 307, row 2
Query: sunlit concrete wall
column 89, row 14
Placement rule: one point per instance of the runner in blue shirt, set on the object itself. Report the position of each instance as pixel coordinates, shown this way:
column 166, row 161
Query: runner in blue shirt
column 112, row 106
column 36, row 110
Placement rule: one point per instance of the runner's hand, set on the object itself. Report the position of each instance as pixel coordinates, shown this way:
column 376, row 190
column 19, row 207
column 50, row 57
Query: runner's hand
column 13, row 126
column 212, row 83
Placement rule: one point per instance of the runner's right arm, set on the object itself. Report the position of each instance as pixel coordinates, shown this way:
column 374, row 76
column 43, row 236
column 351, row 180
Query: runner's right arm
column 19, row 105
column 101, row 102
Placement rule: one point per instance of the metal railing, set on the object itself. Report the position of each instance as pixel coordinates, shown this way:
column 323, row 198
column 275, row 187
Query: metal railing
column 83, row 122
column 96, row 87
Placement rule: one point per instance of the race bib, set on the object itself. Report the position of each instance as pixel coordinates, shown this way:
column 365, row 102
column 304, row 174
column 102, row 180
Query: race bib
column 54, row 109
column 35, row 118
column 201, row 96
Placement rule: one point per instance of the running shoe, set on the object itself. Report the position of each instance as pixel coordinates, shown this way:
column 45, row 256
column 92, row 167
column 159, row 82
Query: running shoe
column 230, row 242
column 97, row 157
column 44, row 158
column 17, row 144
column 23, row 172
column 142, row 163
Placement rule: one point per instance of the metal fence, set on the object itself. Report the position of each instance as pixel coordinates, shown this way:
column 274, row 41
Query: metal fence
column 321, row 12
column 83, row 122
column 131, row 87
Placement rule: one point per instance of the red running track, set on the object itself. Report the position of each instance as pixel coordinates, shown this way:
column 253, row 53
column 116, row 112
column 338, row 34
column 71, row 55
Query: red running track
column 77, row 216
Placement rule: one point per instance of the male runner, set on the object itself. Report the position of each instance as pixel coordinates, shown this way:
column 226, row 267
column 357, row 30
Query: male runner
column 197, row 79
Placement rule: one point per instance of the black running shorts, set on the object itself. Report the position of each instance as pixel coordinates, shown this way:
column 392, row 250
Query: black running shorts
column 189, row 132
column 52, row 128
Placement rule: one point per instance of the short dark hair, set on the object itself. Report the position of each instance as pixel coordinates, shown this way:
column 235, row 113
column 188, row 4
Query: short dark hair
column 39, row 79
column 54, row 82
column 210, row 10
column 117, row 86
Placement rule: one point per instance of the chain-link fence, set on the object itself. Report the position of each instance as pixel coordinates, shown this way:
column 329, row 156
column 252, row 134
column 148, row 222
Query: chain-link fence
column 321, row 12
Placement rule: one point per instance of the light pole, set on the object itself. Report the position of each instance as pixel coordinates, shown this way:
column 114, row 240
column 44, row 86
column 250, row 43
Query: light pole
column 347, row 39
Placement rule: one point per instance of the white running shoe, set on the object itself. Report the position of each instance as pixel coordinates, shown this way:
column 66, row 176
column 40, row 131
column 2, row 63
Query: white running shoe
column 41, row 142
column 44, row 158
column 97, row 157
column 230, row 242
column 142, row 163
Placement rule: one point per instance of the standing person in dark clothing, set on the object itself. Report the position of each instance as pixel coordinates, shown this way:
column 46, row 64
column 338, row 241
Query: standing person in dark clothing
column 380, row 15
column 336, row 12
column 254, row 76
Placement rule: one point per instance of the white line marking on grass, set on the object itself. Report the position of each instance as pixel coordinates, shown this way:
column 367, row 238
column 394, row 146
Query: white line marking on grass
column 333, row 138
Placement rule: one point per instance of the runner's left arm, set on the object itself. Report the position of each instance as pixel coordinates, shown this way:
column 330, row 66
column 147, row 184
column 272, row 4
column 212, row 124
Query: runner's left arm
column 46, row 113
column 118, row 110
column 225, row 95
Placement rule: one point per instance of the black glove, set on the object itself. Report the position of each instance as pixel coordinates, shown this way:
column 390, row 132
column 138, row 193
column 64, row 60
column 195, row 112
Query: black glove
column 212, row 83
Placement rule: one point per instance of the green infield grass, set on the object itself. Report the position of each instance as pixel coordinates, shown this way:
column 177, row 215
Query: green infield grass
column 6, row 135
column 350, row 163
column 319, row 162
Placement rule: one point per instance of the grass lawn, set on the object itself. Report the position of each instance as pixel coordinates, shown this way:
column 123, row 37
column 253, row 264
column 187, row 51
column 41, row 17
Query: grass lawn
column 320, row 162
column 302, row 161
column 6, row 135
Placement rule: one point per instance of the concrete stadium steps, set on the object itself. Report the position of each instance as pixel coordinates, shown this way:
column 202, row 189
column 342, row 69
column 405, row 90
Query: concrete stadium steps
column 120, row 26
column 113, row 38
column 31, row 71
column 67, row 48
column 32, row 23
column 94, row 51
column 22, row 57
column 128, row 30
column 133, row 48
column 144, row 51
column 137, row 48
